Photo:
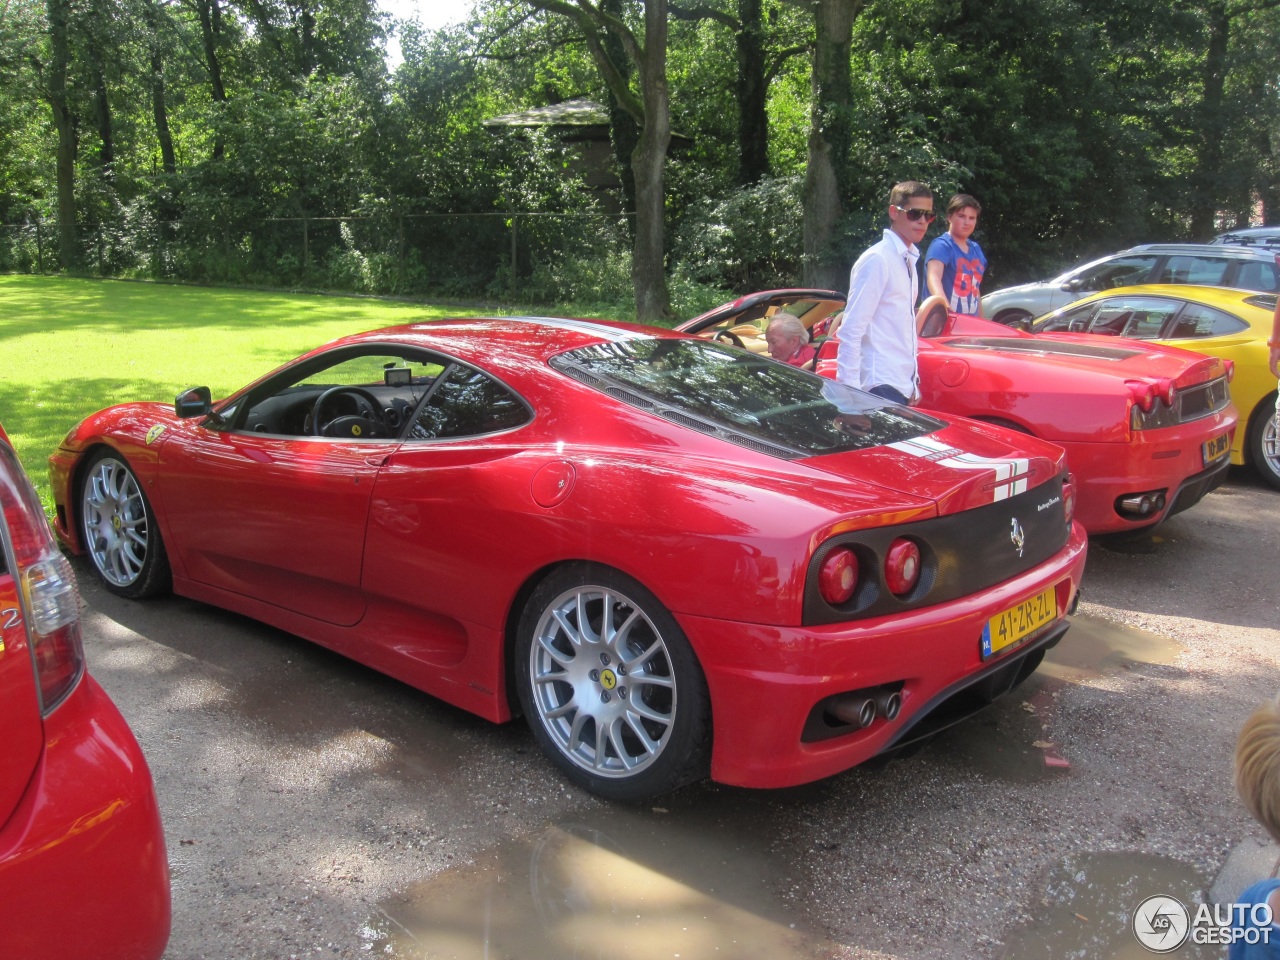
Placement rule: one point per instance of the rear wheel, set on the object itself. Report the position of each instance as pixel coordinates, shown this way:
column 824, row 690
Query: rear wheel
column 119, row 529
column 610, row 685
column 1264, row 446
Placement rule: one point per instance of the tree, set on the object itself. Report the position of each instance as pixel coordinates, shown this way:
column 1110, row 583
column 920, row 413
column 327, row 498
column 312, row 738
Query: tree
column 651, row 109
column 830, row 141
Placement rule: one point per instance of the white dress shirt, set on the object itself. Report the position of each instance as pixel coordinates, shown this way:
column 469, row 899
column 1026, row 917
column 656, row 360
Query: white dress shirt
column 878, row 333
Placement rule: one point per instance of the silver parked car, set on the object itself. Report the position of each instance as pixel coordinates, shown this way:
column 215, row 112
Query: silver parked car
column 1212, row 265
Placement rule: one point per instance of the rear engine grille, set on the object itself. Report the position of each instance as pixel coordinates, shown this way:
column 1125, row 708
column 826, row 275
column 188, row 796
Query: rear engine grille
column 1202, row 400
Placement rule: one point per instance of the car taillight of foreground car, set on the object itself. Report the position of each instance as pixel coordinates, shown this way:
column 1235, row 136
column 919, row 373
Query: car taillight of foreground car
column 82, row 857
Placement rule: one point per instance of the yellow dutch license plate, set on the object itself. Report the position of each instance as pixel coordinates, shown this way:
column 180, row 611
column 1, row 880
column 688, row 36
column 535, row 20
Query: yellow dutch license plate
column 1007, row 628
column 1213, row 449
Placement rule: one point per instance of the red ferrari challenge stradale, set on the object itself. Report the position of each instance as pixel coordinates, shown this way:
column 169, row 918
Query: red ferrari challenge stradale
column 674, row 558
column 1147, row 428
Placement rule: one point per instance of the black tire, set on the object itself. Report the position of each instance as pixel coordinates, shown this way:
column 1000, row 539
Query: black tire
column 118, row 529
column 1263, row 443
column 624, row 713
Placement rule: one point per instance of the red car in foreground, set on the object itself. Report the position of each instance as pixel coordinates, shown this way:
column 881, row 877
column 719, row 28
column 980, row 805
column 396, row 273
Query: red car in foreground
column 83, row 870
column 1147, row 428
column 674, row 558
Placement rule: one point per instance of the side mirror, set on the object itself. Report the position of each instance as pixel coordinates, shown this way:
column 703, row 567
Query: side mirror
column 196, row 402
column 1074, row 284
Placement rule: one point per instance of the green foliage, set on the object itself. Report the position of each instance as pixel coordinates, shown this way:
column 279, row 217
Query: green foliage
column 1082, row 125
column 749, row 239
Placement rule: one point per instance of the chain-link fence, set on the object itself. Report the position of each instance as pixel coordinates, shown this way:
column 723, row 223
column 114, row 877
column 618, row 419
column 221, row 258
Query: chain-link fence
column 464, row 255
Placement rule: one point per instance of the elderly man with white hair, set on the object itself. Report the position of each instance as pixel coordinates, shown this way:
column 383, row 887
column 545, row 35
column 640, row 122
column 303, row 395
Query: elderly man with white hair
column 789, row 341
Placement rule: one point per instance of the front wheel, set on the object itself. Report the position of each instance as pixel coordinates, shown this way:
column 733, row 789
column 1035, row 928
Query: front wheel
column 610, row 685
column 1264, row 446
column 120, row 531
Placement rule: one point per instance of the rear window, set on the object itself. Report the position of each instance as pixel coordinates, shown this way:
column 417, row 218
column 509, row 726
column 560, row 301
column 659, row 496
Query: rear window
column 743, row 398
column 1206, row 271
column 1257, row 275
column 1197, row 320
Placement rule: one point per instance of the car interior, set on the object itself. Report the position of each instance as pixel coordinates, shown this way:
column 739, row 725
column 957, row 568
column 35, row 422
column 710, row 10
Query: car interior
column 747, row 329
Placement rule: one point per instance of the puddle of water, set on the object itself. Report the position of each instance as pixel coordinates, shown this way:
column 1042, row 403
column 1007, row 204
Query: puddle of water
column 621, row 884
column 1089, row 903
column 1007, row 741
column 1094, row 647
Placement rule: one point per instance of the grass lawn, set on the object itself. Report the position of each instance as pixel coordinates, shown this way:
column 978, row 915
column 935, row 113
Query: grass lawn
column 74, row 346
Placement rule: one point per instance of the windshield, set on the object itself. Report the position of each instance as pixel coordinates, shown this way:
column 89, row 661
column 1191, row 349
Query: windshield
column 743, row 397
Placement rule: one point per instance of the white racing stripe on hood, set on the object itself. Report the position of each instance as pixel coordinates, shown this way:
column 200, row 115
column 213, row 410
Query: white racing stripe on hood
column 1011, row 475
column 612, row 334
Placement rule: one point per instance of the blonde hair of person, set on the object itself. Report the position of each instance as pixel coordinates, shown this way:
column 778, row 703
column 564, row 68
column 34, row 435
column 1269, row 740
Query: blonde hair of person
column 1257, row 765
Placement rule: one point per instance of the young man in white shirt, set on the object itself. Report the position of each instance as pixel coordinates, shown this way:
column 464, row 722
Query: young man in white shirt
column 878, row 333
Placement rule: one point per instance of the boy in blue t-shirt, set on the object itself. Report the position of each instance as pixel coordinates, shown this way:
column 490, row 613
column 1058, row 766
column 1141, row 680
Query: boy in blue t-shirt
column 955, row 263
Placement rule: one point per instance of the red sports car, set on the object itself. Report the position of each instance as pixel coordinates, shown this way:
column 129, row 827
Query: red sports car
column 1147, row 428
column 83, row 870
column 674, row 558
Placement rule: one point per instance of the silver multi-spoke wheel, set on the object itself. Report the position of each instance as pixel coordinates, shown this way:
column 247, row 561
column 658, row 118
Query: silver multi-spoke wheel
column 119, row 530
column 1264, row 444
column 602, row 681
column 115, row 522
column 1271, row 446
column 610, row 685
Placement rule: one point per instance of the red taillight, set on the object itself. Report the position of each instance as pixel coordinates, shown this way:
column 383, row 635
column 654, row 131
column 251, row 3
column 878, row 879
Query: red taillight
column 838, row 577
column 1231, row 369
column 902, row 566
column 1068, row 500
column 1166, row 391
column 50, row 600
column 1143, row 393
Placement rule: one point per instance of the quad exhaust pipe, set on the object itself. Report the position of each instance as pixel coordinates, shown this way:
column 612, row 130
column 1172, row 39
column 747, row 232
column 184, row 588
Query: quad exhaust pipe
column 861, row 708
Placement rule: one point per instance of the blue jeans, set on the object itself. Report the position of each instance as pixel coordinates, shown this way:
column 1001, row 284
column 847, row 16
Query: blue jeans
column 889, row 393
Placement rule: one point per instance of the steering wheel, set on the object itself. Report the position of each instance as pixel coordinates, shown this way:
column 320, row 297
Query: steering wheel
column 728, row 336
column 370, row 422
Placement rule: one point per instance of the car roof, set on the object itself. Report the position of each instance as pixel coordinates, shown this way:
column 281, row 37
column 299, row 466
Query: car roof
column 1209, row 249
column 1267, row 236
column 476, row 339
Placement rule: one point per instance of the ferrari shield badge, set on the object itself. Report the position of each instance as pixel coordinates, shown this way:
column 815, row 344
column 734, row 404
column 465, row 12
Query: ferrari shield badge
column 154, row 433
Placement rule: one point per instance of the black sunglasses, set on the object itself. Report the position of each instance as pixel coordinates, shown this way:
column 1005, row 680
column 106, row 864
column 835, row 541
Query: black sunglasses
column 928, row 216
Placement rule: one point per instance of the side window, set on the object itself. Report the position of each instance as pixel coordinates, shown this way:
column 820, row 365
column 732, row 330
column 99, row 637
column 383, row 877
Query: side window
column 1075, row 320
column 1257, row 275
column 1209, row 271
column 1197, row 320
column 468, row 403
column 1138, row 318
column 1120, row 272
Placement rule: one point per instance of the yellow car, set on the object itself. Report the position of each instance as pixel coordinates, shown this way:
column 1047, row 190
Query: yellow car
column 1220, row 322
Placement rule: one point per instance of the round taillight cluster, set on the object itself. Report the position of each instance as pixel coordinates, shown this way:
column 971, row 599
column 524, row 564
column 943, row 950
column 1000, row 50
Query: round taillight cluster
column 1069, row 499
column 902, row 566
column 838, row 577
